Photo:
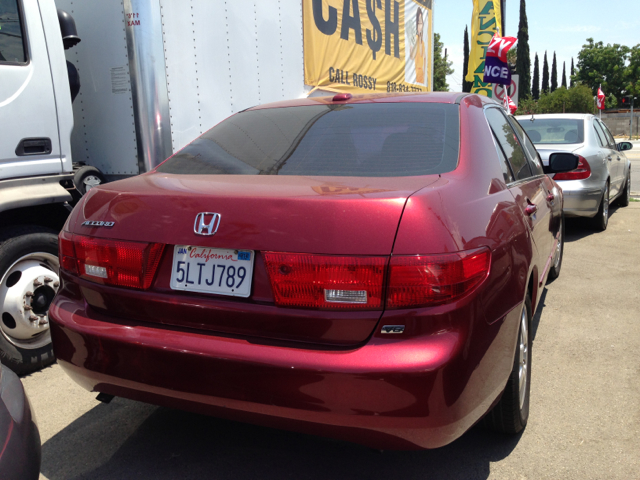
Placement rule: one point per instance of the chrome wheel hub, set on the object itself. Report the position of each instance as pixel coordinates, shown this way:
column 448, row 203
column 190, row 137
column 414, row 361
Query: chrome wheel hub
column 26, row 292
column 605, row 205
column 91, row 181
column 523, row 358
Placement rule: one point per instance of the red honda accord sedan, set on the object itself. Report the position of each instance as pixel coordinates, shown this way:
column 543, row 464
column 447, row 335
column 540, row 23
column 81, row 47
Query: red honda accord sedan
column 363, row 268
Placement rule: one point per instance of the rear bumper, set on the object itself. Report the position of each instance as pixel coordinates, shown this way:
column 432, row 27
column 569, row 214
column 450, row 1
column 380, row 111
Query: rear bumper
column 580, row 200
column 421, row 392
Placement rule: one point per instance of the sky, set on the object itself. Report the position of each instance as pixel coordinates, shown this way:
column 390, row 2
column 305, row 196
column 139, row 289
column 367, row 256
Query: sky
column 562, row 26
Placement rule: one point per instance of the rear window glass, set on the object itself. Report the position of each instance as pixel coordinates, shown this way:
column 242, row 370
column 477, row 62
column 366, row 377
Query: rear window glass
column 11, row 44
column 554, row 131
column 362, row 140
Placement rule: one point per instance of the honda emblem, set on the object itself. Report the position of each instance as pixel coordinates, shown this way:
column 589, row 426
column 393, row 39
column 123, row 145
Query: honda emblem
column 207, row 223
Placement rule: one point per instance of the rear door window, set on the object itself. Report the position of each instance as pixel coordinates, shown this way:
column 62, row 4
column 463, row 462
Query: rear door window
column 360, row 140
column 530, row 149
column 12, row 45
column 509, row 143
column 610, row 139
column 600, row 135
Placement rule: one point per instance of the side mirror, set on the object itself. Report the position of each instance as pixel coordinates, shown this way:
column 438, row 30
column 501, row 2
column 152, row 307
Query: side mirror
column 562, row 162
column 624, row 146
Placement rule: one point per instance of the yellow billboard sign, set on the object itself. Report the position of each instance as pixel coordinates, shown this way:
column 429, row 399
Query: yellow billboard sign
column 368, row 45
column 485, row 21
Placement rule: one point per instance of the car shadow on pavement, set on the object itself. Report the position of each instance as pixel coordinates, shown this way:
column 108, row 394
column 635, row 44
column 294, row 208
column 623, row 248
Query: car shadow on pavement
column 578, row 228
column 168, row 444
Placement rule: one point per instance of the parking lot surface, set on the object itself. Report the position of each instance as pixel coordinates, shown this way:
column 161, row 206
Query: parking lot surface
column 585, row 410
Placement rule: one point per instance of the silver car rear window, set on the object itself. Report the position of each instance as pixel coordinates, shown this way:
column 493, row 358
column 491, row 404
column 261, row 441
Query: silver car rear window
column 359, row 140
column 554, row 131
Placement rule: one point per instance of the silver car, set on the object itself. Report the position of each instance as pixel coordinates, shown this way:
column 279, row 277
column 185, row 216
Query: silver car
column 604, row 172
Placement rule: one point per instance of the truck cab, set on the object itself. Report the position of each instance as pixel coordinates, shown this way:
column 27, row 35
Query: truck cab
column 36, row 176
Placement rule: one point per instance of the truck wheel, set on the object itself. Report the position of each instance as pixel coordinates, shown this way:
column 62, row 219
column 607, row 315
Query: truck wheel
column 28, row 282
column 86, row 178
column 511, row 413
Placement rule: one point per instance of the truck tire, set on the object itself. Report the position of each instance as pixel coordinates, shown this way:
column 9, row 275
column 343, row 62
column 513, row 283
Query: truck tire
column 28, row 282
column 86, row 178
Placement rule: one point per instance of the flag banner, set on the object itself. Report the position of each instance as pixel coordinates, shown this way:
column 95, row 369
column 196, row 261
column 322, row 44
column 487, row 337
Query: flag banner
column 485, row 22
column 496, row 68
column 509, row 105
column 368, row 46
column 601, row 99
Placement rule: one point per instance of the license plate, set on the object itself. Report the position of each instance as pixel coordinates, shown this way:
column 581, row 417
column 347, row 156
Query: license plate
column 212, row 270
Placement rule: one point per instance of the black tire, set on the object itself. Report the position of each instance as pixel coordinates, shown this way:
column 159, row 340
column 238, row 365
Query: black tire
column 86, row 178
column 601, row 220
column 509, row 416
column 554, row 272
column 625, row 198
column 15, row 243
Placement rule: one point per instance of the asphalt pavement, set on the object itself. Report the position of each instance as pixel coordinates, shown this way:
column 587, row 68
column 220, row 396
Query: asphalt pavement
column 585, row 402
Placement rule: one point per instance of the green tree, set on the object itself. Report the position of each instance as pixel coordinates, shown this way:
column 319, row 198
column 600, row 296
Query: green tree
column 632, row 74
column 554, row 74
column 441, row 66
column 545, row 75
column 573, row 72
column 574, row 100
column 466, row 86
column 564, row 74
column 603, row 65
column 535, row 87
column 523, row 61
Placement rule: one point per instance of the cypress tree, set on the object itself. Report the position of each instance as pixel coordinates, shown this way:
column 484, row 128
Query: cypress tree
column 523, row 62
column 535, row 88
column 554, row 74
column 545, row 75
column 466, row 86
column 564, row 74
column 573, row 72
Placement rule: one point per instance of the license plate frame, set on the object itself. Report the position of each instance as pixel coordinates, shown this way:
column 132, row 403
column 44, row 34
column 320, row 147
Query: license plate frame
column 191, row 277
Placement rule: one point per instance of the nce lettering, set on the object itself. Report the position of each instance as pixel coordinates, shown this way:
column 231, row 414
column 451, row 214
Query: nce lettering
column 351, row 21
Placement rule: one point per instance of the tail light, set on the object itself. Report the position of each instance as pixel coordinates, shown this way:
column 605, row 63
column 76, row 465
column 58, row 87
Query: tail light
column 110, row 262
column 435, row 279
column 582, row 172
column 317, row 281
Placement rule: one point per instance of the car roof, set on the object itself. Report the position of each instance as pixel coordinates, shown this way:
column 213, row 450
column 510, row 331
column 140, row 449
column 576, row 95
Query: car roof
column 420, row 97
column 571, row 116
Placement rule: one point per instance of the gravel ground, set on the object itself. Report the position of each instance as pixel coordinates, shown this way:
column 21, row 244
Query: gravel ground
column 584, row 424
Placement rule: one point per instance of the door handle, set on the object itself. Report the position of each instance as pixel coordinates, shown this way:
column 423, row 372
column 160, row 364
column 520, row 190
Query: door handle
column 531, row 209
column 551, row 197
column 33, row 146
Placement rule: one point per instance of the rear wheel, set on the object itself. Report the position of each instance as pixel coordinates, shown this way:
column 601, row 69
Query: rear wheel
column 511, row 413
column 625, row 198
column 601, row 220
column 28, row 282
column 554, row 272
column 86, row 178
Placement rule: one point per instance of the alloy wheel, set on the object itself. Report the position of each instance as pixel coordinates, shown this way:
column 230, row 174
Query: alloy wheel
column 523, row 358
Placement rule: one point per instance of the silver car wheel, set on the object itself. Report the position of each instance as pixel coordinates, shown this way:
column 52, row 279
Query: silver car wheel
column 605, row 205
column 558, row 256
column 523, row 358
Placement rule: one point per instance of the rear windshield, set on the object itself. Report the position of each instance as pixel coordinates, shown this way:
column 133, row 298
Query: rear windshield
column 554, row 131
column 362, row 140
